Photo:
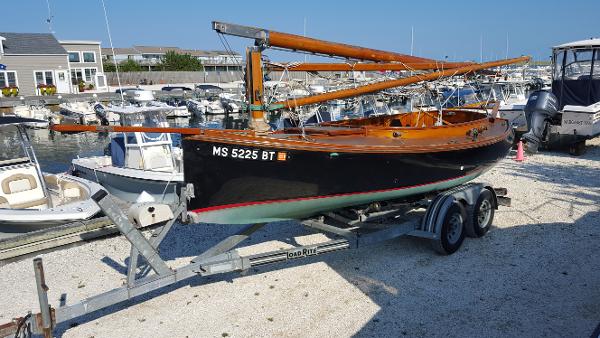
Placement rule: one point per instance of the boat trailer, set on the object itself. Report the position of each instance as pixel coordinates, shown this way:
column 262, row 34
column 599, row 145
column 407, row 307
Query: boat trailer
column 444, row 218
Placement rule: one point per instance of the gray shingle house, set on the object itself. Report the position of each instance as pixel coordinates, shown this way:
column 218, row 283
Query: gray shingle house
column 31, row 59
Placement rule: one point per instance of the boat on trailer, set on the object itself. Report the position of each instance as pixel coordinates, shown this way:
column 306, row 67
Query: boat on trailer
column 31, row 199
column 260, row 175
column 568, row 114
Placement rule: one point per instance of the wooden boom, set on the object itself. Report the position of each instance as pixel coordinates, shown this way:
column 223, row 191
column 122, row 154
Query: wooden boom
column 69, row 128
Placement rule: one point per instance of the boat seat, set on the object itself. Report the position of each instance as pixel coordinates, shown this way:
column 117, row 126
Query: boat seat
column 72, row 190
column 51, row 181
column 22, row 191
column 18, row 183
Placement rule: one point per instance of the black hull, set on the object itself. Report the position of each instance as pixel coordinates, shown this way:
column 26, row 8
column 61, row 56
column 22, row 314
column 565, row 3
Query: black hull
column 222, row 182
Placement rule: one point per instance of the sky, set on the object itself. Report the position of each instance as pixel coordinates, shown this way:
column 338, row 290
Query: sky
column 453, row 30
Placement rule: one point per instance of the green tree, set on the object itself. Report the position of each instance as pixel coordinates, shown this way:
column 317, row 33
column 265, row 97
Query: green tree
column 130, row 66
column 180, row 62
column 108, row 66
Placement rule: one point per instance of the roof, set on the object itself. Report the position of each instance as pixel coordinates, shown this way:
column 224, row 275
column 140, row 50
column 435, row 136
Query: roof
column 155, row 49
column 162, row 50
column 595, row 42
column 119, row 51
column 31, row 43
column 196, row 52
column 78, row 42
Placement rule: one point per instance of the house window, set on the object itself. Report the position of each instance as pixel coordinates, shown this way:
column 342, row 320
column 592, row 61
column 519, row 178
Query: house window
column 11, row 79
column 89, row 74
column 89, row 57
column 83, row 74
column 73, row 56
column 76, row 76
column 44, row 77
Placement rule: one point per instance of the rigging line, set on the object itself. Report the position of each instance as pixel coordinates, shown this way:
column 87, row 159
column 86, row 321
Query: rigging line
column 298, row 114
column 229, row 50
column 50, row 16
column 112, row 48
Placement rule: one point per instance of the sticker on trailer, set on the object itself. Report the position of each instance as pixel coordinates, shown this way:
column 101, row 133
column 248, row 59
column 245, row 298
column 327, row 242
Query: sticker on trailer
column 248, row 153
column 302, row 252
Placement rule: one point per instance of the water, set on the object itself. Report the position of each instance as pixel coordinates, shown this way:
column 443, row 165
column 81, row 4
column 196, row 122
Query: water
column 56, row 150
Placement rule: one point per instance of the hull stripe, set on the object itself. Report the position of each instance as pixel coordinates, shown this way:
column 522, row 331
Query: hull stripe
column 246, row 204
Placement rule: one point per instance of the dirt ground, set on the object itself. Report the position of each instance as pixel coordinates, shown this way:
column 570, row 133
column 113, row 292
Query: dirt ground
column 536, row 273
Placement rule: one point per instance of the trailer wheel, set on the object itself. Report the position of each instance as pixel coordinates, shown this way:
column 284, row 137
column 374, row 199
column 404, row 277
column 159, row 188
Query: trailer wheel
column 453, row 230
column 483, row 214
column 577, row 148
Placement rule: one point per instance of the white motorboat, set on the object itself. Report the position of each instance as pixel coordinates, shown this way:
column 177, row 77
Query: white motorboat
column 78, row 113
column 512, row 99
column 37, row 112
column 175, row 108
column 203, row 107
column 138, row 162
column 32, row 200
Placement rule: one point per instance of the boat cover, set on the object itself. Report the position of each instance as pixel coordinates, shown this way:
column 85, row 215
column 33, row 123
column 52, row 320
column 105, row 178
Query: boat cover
column 583, row 91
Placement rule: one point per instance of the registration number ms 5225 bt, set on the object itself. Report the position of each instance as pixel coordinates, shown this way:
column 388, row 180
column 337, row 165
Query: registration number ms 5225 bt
column 249, row 153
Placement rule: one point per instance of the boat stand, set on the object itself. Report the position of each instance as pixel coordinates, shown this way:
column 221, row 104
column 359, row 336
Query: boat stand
column 353, row 228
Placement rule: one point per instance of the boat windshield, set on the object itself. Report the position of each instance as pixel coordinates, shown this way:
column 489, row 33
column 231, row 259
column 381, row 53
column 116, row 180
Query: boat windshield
column 577, row 64
column 147, row 118
column 459, row 97
column 9, row 153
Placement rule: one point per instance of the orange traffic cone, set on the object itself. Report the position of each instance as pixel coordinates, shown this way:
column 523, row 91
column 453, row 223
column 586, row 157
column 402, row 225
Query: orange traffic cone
column 520, row 155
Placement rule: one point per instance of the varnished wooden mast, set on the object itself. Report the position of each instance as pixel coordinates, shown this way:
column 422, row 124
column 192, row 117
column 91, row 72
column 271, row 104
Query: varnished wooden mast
column 255, row 89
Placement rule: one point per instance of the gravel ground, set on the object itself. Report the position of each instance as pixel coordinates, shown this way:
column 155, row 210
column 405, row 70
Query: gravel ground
column 536, row 273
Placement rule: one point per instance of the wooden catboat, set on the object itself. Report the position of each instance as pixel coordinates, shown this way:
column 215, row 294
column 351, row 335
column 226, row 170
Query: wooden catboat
column 259, row 175
column 244, row 177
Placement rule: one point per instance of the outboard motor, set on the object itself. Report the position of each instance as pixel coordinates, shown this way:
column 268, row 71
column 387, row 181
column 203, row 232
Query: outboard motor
column 102, row 114
column 541, row 108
